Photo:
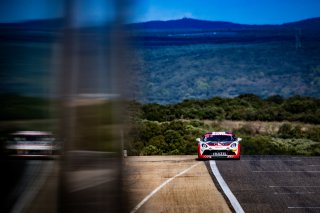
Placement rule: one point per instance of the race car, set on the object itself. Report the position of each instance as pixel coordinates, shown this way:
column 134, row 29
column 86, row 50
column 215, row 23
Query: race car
column 31, row 144
column 219, row 145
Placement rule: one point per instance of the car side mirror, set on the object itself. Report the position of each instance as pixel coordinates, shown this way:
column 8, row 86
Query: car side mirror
column 198, row 140
column 239, row 139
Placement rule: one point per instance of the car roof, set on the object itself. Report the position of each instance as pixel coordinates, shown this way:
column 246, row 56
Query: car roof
column 32, row 133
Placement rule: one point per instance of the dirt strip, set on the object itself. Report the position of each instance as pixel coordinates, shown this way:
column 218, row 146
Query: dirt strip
column 193, row 191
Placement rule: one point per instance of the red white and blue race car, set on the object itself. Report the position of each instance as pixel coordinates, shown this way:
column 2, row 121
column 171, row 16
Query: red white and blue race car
column 218, row 145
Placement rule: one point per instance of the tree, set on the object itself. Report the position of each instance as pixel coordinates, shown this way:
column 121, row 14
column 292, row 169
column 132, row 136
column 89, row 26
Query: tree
column 159, row 142
column 285, row 130
column 150, row 150
column 175, row 141
column 276, row 99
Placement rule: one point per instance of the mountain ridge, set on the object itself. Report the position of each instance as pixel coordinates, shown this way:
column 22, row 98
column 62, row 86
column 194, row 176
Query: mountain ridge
column 183, row 23
column 197, row 24
column 190, row 23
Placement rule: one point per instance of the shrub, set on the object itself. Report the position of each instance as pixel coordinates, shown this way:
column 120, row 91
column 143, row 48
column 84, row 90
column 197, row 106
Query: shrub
column 276, row 99
column 313, row 133
column 159, row 142
column 174, row 141
column 255, row 145
column 196, row 123
column 285, row 130
column 150, row 150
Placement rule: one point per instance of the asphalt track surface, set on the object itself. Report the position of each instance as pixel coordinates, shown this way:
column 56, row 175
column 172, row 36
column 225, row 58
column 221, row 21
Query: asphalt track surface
column 18, row 177
column 260, row 184
column 274, row 183
column 92, row 185
column 11, row 173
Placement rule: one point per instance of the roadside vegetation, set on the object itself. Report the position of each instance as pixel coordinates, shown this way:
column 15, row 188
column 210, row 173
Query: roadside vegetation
column 246, row 107
column 178, row 137
column 274, row 125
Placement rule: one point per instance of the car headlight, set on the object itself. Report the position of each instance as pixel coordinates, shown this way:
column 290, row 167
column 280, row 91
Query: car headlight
column 233, row 145
column 204, row 145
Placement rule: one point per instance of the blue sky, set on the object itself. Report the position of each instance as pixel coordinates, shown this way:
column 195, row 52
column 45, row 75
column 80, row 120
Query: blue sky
column 240, row 11
column 20, row 10
column 95, row 11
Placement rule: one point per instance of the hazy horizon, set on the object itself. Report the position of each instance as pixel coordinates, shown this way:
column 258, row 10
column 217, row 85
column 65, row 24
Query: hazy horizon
column 163, row 20
column 92, row 12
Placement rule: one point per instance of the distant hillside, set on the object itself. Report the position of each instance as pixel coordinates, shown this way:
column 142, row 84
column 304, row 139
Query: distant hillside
column 194, row 24
column 311, row 24
column 179, row 24
column 188, row 24
column 45, row 24
column 171, row 67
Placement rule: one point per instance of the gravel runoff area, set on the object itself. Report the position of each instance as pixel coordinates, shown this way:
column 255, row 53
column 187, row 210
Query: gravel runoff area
column 171, row 184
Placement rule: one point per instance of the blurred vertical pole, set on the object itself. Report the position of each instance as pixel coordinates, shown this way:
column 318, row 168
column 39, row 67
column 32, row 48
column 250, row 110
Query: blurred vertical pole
column 119, row 58
column 91, row 163
column 66, row 90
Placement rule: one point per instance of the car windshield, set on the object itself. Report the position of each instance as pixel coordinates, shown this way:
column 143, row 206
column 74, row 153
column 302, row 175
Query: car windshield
column 219, row 138
column 31, row 138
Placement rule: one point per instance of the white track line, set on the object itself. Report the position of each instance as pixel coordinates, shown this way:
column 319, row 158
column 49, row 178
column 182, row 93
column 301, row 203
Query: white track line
column 26, row 198
column 233, row 200
column 160, row 187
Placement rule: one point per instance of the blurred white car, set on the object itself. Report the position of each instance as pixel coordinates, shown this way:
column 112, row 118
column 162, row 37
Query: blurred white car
column 31, row 144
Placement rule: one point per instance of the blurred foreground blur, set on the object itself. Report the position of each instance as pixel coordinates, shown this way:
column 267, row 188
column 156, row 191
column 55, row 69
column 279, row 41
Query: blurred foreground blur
column 90, row 90
column 81, row 104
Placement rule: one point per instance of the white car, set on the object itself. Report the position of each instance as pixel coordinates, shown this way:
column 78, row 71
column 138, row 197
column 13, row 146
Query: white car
column 31, row 144
column 218, row 145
